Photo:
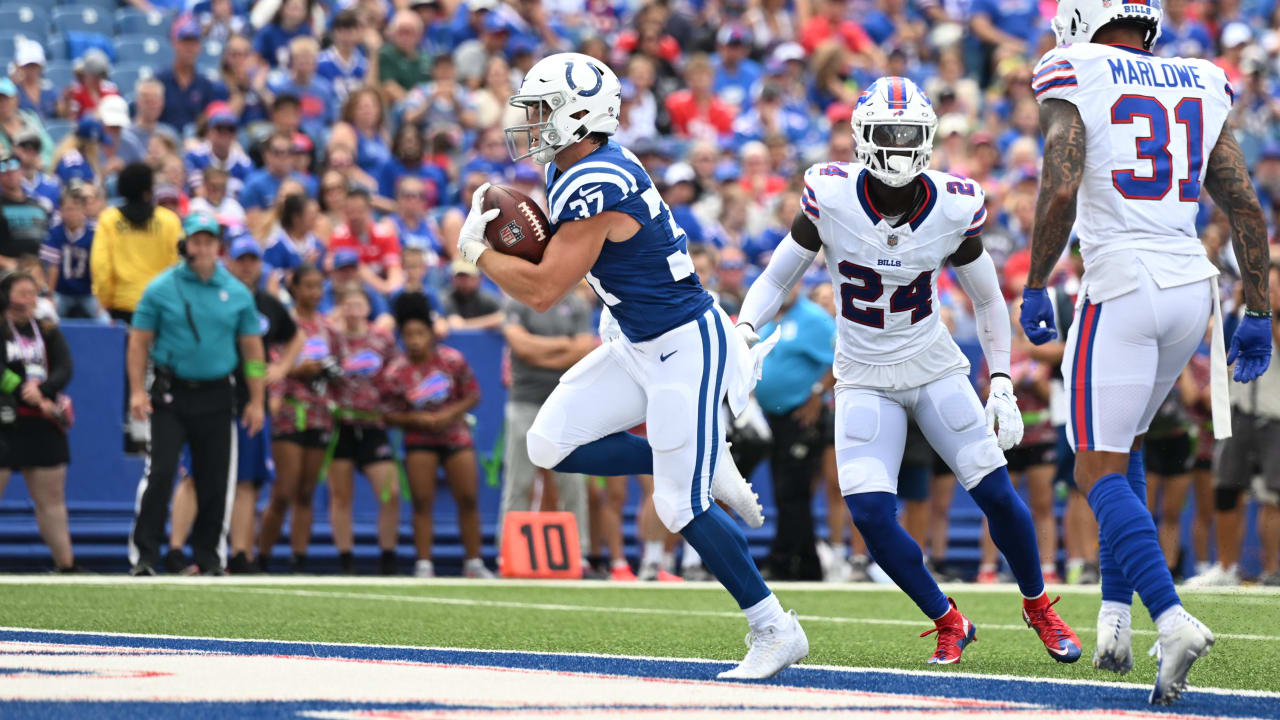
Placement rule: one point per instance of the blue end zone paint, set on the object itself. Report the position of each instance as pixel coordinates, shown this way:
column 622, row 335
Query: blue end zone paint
column 1101, row 698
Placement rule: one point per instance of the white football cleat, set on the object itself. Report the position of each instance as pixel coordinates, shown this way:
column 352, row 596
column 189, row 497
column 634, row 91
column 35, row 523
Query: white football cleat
column 474, row 569
column 771, row 650
column 1175, row 652
column 729, row 487
column 1113, row 651
column 1215, row 576
column 424, row 569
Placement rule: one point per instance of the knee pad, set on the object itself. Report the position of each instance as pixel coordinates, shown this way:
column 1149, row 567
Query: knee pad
column 862, row 419
column 1225, row 499
column 976, row 460
column 864, row 475
column 672, row 418
column 673, row 516
column 959, row 411
column 543, row 451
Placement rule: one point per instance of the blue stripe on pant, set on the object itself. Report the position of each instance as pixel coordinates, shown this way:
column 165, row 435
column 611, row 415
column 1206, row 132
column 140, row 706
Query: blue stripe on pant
column 695, row 488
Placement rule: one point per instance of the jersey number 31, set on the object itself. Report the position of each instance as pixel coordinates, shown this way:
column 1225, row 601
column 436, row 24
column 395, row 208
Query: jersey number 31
column 916, row 297
column 1155, row 148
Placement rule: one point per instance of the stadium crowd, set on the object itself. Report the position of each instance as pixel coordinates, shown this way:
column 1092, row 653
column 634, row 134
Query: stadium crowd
column 337, row 144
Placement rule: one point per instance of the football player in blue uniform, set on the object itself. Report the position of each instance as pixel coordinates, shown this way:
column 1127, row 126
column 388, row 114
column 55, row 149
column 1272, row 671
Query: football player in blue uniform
column 676, row 360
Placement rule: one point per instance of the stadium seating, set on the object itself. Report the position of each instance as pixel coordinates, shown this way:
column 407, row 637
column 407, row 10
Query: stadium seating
column 127, row 75
column 131, row 21
column 157, row 53
column 87, row 19
column 28, row 19
column 59, row 73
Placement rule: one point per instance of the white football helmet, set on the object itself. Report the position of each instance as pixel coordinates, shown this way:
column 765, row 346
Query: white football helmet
column 1078, row 20
column 893, row 128
column 565, row 97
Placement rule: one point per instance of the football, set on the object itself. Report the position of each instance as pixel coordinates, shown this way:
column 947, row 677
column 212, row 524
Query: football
column 521, row 228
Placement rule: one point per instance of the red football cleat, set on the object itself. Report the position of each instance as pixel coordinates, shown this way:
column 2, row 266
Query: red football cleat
column 622, row 573
column 1058, row 637
column 955, row 632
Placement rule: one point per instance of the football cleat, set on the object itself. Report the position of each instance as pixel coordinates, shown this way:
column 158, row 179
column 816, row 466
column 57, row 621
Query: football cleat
column 1058, row 637
column 1113, row 651
column 987, row 577
column 621, row 572
column 771, row 650
column 955, row 632
column 424, row 569
column 1175, row 652
column 474, row 568
column 1216, row 576
column 729, row 487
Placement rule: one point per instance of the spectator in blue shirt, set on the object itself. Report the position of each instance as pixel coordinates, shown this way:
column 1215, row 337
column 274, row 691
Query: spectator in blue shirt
column 317, row 101
column 1182, row 36
column 66, row 257
column 408, row 157
column 437, row 39
column 1007, row 24
column 291, row 21
column 291, row 243
column 468, row 20
column 77, row 156
column 768, row 117
column 413, row 227
column 260, row 189
column 186, row 92
column 735, row 73
column 680, row 191
column 346, row 272
column 35, row 93
column 344, row 63
column 220, row 150
column 39, row 185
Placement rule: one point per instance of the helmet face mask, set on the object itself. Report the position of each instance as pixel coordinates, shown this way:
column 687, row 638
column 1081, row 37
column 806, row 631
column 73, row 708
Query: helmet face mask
column 893, row 128
column 565, row 97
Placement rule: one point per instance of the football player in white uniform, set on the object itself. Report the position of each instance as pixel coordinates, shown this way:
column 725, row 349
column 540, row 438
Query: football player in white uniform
column 675, row 360
column 887, row 225
column 1130, row 140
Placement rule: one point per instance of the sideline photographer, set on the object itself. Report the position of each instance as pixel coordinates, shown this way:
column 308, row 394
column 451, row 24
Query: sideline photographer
column 190, row 320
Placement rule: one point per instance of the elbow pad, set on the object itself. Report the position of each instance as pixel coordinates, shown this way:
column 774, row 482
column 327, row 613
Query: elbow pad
column 981, row 283
column 787, row 265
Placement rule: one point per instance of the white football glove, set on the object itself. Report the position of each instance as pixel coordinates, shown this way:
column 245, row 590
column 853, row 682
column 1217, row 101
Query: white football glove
column 751, row 336
column 1002, row 410
column 471, row 238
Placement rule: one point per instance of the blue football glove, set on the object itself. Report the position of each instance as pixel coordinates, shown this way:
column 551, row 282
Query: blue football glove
column 1251, row 348
column 1037, row 316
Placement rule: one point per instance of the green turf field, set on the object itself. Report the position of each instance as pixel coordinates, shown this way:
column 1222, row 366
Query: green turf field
column 861, row 626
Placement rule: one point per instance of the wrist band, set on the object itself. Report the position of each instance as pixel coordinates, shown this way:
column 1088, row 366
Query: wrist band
column 995, row 375
column 1257, row 313
column 9, row 381
column 255, row 369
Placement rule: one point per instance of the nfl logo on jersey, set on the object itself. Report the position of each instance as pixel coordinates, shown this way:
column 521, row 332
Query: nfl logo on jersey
column 511, row 233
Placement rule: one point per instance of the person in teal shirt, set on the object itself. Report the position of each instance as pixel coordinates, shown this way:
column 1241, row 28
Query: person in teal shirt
column 797, row 375
column 191, row 321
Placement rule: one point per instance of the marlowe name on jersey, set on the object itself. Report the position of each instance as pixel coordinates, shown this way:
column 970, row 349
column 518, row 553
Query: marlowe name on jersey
column 1144, row 71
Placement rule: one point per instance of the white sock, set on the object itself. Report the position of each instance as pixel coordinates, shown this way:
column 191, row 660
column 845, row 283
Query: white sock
column 1170, row 619
column 621, row 563
column 669, row 561
column 691, row 558
column 1117, row 609
column 652, row 553
column 1074, row 564
column 765, row 613
column 471, row 563
column 841, row 550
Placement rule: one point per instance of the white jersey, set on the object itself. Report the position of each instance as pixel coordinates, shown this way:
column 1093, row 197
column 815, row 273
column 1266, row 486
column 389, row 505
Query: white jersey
column 1150, row 125
column 886, row 277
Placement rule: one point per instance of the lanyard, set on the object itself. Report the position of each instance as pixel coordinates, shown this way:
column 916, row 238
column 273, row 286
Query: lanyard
column 31, row 352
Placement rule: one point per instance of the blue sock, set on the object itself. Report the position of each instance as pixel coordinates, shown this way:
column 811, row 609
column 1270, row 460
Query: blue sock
column 1012, row 529
column 1127, row 527
column 618, row 454
column 876, row 515
column 723, row 549
column 1115, row 587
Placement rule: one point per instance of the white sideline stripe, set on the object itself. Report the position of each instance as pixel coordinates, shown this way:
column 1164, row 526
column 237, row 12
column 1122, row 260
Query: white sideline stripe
column 560, row 607
column 375, row 581
column 833, row 668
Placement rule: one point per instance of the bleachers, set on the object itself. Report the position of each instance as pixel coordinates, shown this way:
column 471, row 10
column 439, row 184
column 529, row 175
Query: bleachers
column 144, row 49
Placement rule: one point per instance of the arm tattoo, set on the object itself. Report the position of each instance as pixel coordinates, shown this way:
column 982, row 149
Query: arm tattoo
column 1228, row 183
column 1060, row 178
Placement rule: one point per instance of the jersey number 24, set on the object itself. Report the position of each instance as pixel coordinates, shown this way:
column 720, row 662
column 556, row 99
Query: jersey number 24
column 916, row 297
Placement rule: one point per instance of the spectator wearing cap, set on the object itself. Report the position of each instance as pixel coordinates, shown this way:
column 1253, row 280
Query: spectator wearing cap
column 375, row 242
column 14, row 121
column 473, row 56
column 1182, row 35
column 34, row 93
column 290, row 20
column 133, row 243
column 66, row 257
column 186, row 91
column 401, row 65
column 695, row 110
column 735, row 73
column 79, row 155
column 468, row 20
column 113, row 111
column 468, row 305
column 216, row 198
column 769, row 116
column 90, row 86
column 347, row 272
column 220, row 150
column 680, row 190
column 197, row 324
column 36, row 183
column 317, row 100
column 344, row 63
column 1235, row 37
column 260, row 188
column 24, row 223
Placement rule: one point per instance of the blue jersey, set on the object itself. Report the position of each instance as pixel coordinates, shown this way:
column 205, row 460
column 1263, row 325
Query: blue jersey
column 70, row 253
column 344, row 76
column 648, row 280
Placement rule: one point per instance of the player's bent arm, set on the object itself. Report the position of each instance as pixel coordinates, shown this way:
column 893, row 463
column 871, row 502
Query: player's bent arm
column 1227, row 180
column 976, row 272
column 1064, row 147
column 570, row 254
column 787, row 265
column 536, row 350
